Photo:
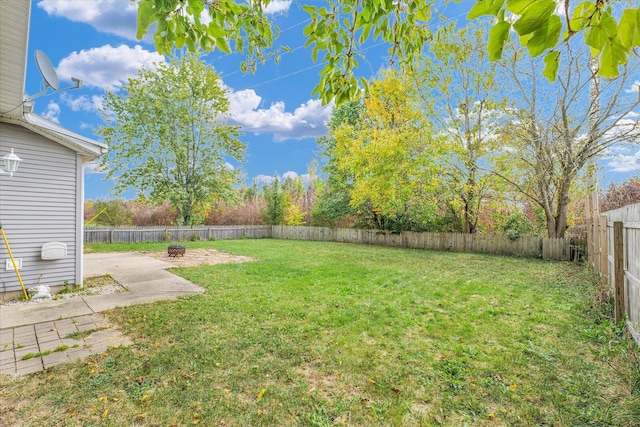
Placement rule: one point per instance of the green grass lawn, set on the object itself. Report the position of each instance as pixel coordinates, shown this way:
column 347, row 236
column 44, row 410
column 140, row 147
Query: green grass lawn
column 322, row 334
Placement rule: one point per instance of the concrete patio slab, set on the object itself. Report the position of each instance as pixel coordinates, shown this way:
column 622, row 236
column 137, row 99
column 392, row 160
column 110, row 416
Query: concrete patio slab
column 38, row 336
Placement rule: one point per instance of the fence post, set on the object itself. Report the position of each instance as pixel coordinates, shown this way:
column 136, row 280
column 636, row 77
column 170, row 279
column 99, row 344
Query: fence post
column 618, row 268
column 604, row 250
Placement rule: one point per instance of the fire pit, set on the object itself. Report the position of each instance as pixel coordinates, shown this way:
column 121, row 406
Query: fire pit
column 176, row 250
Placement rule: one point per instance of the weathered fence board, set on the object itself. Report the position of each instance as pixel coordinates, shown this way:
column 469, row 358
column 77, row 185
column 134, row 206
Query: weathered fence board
column 530, row 247
column 628, row 260
column 169, row 234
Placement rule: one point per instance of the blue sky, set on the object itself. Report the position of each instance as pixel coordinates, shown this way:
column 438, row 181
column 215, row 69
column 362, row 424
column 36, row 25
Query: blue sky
column 95, row 42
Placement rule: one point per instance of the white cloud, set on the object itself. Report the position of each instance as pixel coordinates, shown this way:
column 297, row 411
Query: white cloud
column 52, row 112
column 635, row 87
column 117, row 17
column 309, row 120
column 107, row 67
column 278, row 7
column 622, row 158
column 625, row 162
column 82, row 103
column 92, row 168
column 627, row 129
column 263, row 179
column 289, row 174
column 293, row 175
column 268, row 179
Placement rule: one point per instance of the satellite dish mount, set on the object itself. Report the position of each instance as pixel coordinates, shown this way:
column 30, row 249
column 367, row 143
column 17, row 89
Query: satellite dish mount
column 50, row 77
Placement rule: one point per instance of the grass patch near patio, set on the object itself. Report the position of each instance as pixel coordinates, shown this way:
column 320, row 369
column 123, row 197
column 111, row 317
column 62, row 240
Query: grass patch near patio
column 322, row 334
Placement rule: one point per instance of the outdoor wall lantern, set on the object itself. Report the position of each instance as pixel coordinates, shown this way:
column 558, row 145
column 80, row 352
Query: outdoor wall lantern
column 11, row 163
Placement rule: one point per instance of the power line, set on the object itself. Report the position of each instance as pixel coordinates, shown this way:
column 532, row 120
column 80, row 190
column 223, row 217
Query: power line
column 280, row 33
column 283, row 77
column 295, row 72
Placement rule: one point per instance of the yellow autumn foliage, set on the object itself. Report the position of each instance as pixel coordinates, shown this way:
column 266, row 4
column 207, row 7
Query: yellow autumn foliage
column 294, row 215
column 390, row 154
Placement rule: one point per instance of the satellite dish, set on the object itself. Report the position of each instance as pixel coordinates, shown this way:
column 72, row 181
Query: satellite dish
column 46, row 69
column 50, row 76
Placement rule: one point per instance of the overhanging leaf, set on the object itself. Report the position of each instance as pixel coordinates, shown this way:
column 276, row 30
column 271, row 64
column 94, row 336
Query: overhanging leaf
column 551, row 63
column 485, row 7
column 613, row 54
column 498, row 36
column 534, row 16
column 628, row 31
column 595, row 37
column 581, row 15
column 223, row 44
column 215, row 30
column 145, row 17
column 546, row 37
column 195, row 7
column 518, row 6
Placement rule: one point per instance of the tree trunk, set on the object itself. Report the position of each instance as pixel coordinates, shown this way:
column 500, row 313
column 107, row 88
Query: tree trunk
column 557, row 218
column 563, row 205
column 551, row 223
column 471, row 166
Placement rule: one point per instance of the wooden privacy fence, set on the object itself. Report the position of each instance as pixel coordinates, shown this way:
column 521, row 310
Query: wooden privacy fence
column 168, row 234
column 616, row 240
column 529, row 247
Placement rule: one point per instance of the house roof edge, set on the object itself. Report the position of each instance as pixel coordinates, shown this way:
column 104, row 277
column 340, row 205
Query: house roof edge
column 89, row 149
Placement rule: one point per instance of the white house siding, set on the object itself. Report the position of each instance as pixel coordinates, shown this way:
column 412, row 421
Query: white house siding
column 39, row 204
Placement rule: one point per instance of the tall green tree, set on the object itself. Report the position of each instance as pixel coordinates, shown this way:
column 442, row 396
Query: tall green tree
column 277, row 203
column 333, row 201
column 460, row 92
column 340, row 29
column 111, row 212
column 168, row 137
